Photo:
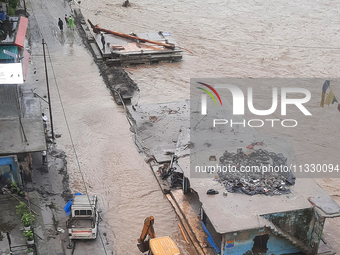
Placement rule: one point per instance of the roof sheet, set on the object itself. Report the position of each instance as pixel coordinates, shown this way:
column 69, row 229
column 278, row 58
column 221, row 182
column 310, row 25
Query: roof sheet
column 237, row 212
column 16, row 124
column 21, row 33
column 11, row 73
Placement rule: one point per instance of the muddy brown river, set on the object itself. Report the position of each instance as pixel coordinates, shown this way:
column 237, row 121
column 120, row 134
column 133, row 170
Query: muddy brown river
column 298, row 39
column 228, row 38
column 112, row 168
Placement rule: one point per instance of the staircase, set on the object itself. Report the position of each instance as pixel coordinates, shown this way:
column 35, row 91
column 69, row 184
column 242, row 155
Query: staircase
column 291, row 239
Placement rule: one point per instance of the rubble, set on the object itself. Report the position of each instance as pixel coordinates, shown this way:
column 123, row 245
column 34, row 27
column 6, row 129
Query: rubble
column 275, row 181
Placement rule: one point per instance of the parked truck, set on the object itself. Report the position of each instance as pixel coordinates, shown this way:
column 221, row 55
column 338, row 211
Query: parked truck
column 84, row 218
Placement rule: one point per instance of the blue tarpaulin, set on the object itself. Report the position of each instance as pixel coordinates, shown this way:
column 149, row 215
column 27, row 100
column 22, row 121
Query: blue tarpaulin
column 210, row 239
column 67, row 207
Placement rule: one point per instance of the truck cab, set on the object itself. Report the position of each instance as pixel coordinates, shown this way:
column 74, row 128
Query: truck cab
column 84, row 218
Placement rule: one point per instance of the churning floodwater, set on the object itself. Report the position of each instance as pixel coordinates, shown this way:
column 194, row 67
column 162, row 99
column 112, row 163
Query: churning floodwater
column 228, row 38
column 295, row 39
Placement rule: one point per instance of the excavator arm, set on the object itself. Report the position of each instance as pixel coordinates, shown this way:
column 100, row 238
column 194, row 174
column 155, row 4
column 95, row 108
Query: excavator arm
column 143, row 245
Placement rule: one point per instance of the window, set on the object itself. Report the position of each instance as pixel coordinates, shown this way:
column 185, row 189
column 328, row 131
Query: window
column 83, row 212
column 260, row 244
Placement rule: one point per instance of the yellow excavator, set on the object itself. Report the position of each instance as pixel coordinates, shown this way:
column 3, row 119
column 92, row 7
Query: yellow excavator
column 155, row 246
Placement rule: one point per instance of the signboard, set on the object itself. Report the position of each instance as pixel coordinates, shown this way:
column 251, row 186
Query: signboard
column 10, row 54
column 230, row 244
column 11, row 73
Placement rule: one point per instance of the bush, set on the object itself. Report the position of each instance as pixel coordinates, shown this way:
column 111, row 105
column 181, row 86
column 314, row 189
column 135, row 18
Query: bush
column 11, row 11
column 29, row 250
column 13, row 3
column 21, row 208
column 27, row 219
column 29, row 235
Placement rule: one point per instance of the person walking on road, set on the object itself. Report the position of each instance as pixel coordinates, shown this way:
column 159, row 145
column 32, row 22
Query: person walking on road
column 66, row 20
column 44, row 154
column 71, row 22
column 60, row 24
column 44, row 118
column 103, row 41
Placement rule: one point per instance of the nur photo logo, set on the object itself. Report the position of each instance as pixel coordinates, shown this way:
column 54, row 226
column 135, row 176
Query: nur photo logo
column 287, row 96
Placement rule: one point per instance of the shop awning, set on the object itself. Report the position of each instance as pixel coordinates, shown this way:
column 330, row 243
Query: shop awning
column 25, row 62
column 20, row 38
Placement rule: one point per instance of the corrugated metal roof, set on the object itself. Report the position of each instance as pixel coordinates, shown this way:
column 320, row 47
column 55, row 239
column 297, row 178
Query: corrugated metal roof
column 25, row 134
column 13, row 49
column 8, row 102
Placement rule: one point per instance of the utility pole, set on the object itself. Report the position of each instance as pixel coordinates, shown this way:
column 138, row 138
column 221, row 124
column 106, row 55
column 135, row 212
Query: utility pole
column 48, row 90
column 25, row 8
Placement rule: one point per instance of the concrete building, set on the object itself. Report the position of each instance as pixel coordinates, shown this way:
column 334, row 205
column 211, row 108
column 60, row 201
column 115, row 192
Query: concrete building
column 286, row 224
column 21, row 127
column 21, row 131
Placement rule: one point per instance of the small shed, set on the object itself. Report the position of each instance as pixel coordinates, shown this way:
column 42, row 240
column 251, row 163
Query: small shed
column 284, row 224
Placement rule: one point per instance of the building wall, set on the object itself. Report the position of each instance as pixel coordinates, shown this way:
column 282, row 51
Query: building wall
column 297, row 223
column 243, row 243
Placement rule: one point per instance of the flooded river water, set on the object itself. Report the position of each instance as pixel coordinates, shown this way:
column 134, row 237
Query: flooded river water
column 112, row 168
column 297, row 39
column 228, row 38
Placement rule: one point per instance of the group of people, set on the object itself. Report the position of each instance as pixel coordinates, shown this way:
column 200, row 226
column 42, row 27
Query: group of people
column 69, row 21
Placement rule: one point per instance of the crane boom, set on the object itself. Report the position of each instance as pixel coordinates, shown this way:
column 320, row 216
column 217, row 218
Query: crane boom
column 147, row 230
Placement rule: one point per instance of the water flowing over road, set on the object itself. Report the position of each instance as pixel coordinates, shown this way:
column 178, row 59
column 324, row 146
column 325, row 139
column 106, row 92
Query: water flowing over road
column 111, row 166
column 227, row 38
column 241, row 39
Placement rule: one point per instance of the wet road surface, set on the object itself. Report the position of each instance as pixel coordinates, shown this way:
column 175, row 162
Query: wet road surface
column 111, row 166
column 241, row 39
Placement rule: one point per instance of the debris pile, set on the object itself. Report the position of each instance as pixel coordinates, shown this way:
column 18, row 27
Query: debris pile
column 119, row 82
column 260, row 172
column 169, row 170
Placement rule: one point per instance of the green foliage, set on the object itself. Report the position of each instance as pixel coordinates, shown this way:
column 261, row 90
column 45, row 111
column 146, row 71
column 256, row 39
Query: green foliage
column 14, row 187
column 11, row 11
column 29, row 235
column 27, row 219
column 13, row 3
column 29, row 250
column 22, row 208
